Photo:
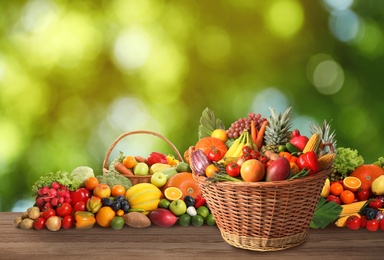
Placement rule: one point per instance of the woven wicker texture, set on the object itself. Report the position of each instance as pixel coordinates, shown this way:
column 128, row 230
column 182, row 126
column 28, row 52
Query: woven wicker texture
column 138, row 179
column 264, row 216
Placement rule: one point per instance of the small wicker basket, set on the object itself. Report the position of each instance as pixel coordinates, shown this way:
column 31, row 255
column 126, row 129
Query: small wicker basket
column 264, row 216
column 138, row 179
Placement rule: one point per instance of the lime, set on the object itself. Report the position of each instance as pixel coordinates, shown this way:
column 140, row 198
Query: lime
column 164, row 203
column 210, row 220
column 203, row 211
column 197, row 221
column 185, row 220
column 117, row 222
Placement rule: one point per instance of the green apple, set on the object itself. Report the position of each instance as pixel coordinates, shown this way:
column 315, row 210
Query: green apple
column 141, row 169
column 178, row 207
column 158, row 179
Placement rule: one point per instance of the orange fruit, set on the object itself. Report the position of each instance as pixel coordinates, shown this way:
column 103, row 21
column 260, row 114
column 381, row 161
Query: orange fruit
column 118, row 190
column 211, row 170
column 207, row 144
column 220, row 134
column 367, row 173
column 185, row 182
column 347, row 196
column 129, row 161
column 336, row 188
column 91, row 183
column 252, row 170
column 104, row 216
column 351, row 183
column 172, row 193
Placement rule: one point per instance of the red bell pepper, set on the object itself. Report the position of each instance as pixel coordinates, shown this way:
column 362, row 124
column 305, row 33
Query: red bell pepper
column 309, row 161
column 199, row 201
column 156, row 157
column 298, row 140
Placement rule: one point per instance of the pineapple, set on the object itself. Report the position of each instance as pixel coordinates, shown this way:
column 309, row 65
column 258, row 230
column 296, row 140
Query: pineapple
column 278, row 130
column 328, row 144
column 328, row 141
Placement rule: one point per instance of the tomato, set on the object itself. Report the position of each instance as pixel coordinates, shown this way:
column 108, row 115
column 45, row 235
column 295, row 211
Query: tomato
column 80, row 206
column 214, row 155
column 247, row 149
column 67, row 222
column 363, row 221
column 381, row 224
column 81, row 194
column 39, row 223
column 48, row 213
column 353, row 222
column 64, row 209
column 372, row 225
column 375, row 203
column 362, row 194
column 233, row 169
column 334, row 199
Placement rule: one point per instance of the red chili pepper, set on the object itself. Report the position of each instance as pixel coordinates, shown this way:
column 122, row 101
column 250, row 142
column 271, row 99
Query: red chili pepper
column 156, row 157
column 199, row 201
column 308, row 161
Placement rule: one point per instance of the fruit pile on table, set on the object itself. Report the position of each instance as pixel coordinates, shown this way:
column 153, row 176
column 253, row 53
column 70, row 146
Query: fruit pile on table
column 251, row 149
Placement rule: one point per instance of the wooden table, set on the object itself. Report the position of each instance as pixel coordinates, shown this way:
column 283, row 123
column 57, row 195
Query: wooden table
column 175, row 243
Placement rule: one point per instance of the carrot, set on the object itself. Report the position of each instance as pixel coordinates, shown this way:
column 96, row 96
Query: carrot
column 253, row 132
column 140, row 158
column 260, row 135
column 120, row 167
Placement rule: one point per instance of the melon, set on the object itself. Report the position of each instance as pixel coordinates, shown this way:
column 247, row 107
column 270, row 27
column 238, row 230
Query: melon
column 144, row 196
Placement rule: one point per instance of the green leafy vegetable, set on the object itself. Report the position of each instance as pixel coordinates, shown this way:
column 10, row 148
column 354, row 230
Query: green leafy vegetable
column 112, row 179
column 80, row 174
column 380, row 162
column 325, row 213
column 347, row 160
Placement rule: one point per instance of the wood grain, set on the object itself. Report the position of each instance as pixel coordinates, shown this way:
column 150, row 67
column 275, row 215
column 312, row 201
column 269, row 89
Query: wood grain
column 176, row 242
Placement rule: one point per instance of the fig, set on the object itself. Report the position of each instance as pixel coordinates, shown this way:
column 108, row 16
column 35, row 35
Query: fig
column 278, row 170
column 162, row 217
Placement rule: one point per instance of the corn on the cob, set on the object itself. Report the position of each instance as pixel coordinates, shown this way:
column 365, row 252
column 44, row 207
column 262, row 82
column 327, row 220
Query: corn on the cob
column 313, row 143
column 352, row 208
column 342, row 221
column 326, row 160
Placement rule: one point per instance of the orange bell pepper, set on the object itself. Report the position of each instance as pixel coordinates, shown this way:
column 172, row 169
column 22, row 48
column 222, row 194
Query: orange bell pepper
column 84, row 219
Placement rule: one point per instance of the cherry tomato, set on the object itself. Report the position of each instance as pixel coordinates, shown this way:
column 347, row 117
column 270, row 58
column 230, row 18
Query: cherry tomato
column 381, row 224
column 247, row 149
column 67, row 222
column 362, row 194
column 353, row 222
column 64, row 209
column 214, row 155
column 372, row 225
column 363, row 221
column 233, row 169
column 80, row 206
column 334, row 199
column 48, row 213
column 375, row 203
column 39, row 223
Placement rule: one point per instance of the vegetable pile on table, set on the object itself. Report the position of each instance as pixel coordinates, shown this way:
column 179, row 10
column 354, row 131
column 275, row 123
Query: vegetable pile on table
column 251, row 149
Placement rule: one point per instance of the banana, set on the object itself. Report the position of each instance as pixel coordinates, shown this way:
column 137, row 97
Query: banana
column 233, row 148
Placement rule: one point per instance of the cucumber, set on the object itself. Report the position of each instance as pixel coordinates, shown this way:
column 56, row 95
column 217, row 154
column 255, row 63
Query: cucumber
column 183, row 167
column 291, row 148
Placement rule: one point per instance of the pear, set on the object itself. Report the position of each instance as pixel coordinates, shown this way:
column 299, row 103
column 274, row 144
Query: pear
column 378, row 186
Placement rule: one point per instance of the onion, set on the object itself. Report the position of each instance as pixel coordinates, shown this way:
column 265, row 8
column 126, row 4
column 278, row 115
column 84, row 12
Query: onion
column 199, row 162
column 53, row 223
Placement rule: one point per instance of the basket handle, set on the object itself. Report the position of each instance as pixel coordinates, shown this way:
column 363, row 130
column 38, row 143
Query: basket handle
column 105, row 163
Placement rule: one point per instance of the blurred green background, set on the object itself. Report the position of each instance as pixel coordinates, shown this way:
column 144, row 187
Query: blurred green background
column 74, row 75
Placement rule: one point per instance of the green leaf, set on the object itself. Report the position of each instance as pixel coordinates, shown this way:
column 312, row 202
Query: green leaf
column 208, row 123
column 325, row 213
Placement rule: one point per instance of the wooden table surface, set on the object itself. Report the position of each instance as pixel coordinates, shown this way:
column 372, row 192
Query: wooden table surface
column 176, row 242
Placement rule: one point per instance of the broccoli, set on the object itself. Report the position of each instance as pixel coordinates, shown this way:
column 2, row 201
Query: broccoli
column 112, row 179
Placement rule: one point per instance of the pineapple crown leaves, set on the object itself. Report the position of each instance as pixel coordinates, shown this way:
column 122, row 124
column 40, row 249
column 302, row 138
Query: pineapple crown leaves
column 208, row 123
column 327, row 137
column 278, row 128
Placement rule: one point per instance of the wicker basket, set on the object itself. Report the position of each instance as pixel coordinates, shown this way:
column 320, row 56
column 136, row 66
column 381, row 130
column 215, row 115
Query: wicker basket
column 138, row 179
column 264, row 216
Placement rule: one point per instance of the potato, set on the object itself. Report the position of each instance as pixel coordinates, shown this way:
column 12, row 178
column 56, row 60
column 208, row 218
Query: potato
column 34, row 213
column 136, row 220
column 16, row 221
column 27, row 223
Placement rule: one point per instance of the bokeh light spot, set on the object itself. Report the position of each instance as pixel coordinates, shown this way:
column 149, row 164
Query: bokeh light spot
column 369, row 40
column 344, row 25
column 285, row 18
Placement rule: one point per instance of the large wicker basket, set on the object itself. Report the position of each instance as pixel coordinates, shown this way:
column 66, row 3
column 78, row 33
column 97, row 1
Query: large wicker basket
column 264, row 216
column 138, row 179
